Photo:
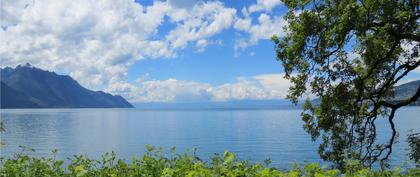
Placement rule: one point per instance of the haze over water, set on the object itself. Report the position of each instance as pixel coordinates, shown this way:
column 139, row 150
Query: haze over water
column 255, row 134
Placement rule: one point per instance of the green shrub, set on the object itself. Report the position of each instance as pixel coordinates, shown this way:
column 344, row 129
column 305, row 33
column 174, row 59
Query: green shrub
column 156, row 162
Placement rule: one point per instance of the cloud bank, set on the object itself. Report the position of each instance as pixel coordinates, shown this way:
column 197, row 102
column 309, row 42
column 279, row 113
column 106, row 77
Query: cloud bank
column 96, row 42
column 259, row 87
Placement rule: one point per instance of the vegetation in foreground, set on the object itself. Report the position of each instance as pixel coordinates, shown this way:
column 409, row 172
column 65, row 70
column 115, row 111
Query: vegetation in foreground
column 155, row 162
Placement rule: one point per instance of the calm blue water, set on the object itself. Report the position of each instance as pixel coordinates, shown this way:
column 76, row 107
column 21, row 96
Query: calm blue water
column 253, row 134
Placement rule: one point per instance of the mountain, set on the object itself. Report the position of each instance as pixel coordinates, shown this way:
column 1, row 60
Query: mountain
column 29, row 87
column 402, row 92
column 407, row 90
column 221, row 105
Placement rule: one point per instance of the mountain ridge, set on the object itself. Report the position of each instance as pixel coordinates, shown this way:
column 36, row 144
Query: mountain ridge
column 407, row 90
column 30, row 87
column 401, row 92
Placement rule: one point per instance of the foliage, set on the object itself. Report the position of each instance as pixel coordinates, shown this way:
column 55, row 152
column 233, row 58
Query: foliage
column 414, row 143
column 350, row 54
column 157, row 163
column 1, row 130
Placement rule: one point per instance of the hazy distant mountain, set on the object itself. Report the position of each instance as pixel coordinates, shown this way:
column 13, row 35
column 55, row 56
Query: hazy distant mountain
column 235, row 104
column 402, row 92
column 29, row 87
column 407, row 90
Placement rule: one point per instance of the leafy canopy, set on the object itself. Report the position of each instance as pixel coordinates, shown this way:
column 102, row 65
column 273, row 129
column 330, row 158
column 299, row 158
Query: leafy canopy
column 350, row 54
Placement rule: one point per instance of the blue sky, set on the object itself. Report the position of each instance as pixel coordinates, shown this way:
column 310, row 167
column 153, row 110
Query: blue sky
column 152, row 51
column 216, row 65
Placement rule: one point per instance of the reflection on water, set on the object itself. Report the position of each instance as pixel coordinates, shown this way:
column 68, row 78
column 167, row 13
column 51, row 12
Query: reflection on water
column 252, row 134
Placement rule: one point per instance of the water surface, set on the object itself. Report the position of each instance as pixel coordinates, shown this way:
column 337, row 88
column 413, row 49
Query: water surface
column 253, row 134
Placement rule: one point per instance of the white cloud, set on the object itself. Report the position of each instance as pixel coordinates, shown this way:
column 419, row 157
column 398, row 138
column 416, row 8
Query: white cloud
column 203, row 43
column 266, row 27
column 10, row 14
column 143, row 77
column 169, row 90
column 95, row 42
column 92, row 41
column 203, row 21
column 263, row 5
column 243, row 24
column 259, row 87
column 409, row 49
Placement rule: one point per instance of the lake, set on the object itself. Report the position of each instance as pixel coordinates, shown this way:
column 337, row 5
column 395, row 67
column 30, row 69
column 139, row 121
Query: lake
column 255, row 134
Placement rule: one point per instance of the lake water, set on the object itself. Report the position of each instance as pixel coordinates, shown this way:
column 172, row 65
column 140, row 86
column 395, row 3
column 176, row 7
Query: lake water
column 252, row 134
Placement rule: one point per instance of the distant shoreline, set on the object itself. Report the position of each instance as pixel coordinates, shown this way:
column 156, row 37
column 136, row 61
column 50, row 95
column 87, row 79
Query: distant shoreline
column 186, row 109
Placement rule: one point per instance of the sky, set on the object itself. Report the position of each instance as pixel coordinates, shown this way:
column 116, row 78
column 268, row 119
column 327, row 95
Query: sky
column 152, row 51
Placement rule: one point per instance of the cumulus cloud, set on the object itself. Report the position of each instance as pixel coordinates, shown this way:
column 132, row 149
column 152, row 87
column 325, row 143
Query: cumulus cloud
column 410, row 48
column 92, row 41
column 263, row 5
column 202, row 21
column 169, row 90
column 10, row 14
column 95, row 42
column 266, row 27
column 259, row 87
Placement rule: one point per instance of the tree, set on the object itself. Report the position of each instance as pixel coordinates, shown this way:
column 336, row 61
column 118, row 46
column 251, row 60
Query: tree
column 350, row 54
column 414, row 144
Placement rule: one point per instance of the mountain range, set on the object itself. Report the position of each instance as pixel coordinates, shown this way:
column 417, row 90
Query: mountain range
column 30, row 87
column 407, row 90
column 402, row 92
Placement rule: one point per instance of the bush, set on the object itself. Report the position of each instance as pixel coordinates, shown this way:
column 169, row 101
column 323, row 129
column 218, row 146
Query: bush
column 155, row 162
